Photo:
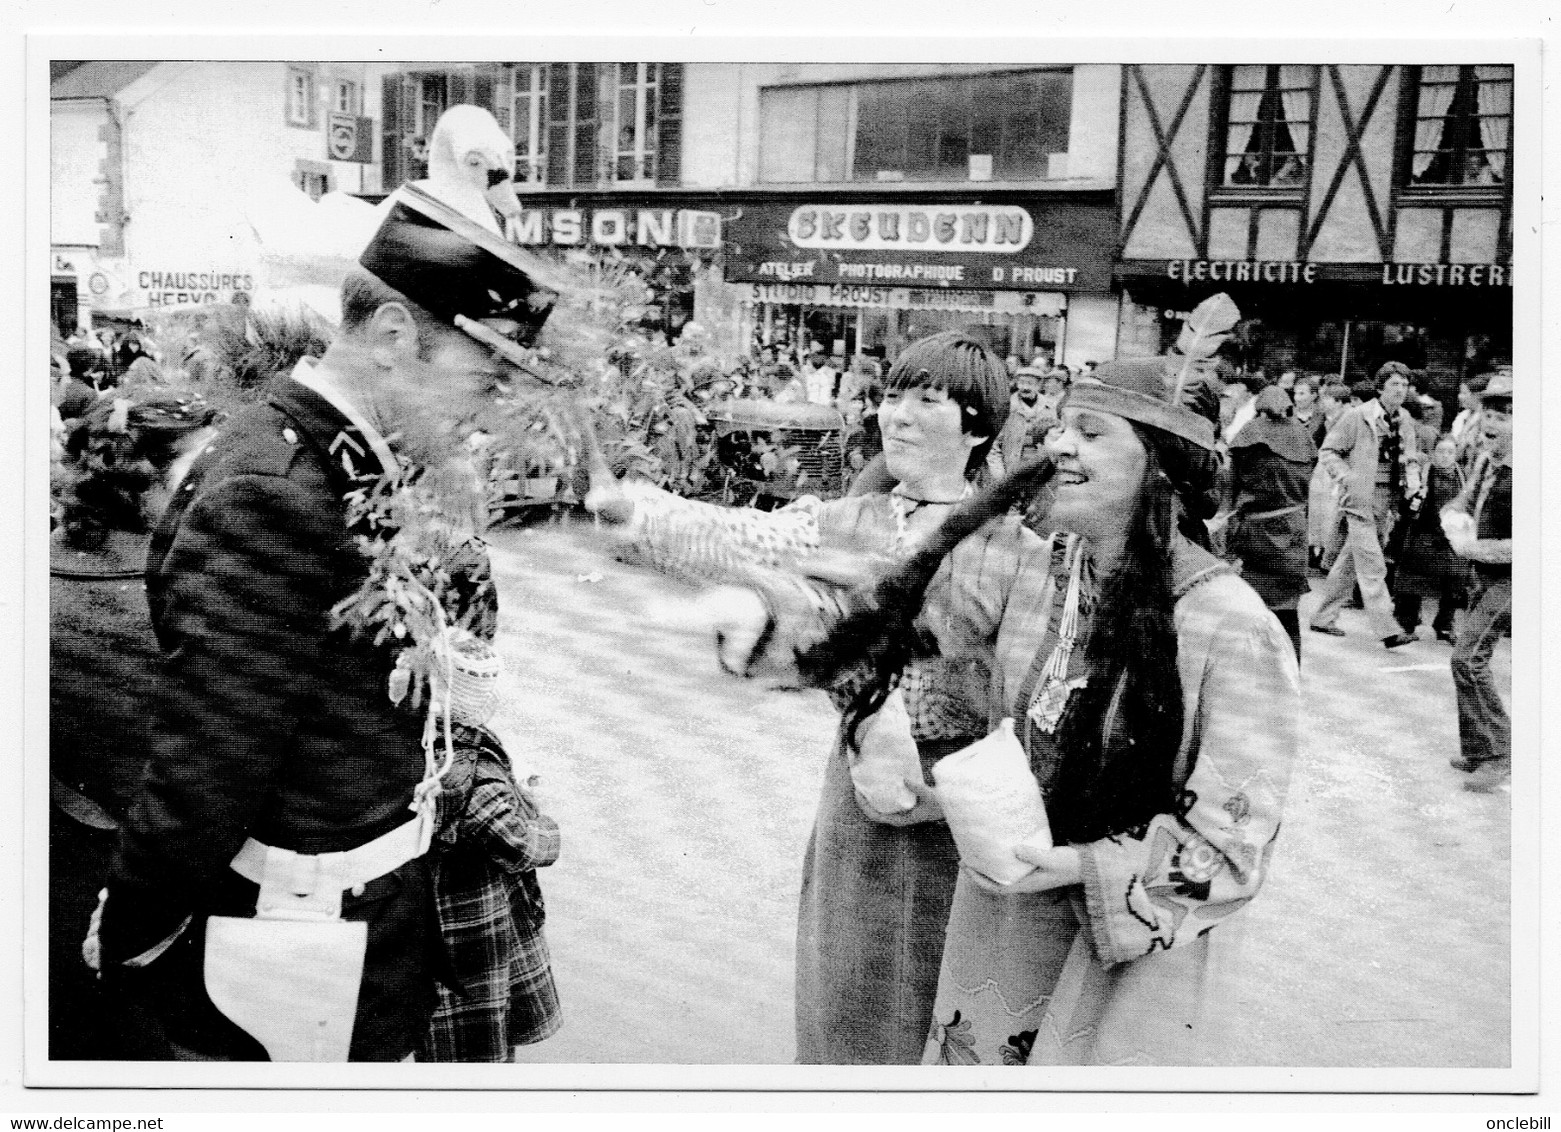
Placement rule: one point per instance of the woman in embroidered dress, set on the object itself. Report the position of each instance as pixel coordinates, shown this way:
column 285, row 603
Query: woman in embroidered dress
column 1157, row 700
column 877, row 880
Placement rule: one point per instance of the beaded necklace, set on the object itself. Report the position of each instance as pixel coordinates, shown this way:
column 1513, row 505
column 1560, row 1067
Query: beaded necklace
column 904, row 506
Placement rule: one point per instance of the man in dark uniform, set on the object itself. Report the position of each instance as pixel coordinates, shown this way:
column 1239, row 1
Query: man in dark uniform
column 282, row 775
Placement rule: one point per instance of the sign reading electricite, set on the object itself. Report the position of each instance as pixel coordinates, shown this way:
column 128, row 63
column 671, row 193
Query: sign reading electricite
column 1040, row 246
column 1295, row 272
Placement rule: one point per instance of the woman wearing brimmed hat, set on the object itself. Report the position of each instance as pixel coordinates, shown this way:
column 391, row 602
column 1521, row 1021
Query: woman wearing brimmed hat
column 1157, row 701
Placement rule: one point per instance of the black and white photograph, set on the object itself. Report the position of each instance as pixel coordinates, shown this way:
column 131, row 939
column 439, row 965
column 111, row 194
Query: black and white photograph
column 864, row 569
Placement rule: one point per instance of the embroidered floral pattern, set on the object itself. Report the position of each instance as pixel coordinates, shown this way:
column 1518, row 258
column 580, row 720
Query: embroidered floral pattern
column 956, row 1045
column 1197, row 861
column 1239, row 807
column 1017, row 1051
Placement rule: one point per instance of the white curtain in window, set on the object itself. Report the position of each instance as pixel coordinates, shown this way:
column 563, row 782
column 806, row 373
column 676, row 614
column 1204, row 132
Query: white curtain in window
column 1295, row 84
column 1244, row 105
column 1494, row 99
column 1434, row 101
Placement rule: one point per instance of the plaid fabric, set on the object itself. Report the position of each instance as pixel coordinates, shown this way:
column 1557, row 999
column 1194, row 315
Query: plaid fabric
column 491, row 841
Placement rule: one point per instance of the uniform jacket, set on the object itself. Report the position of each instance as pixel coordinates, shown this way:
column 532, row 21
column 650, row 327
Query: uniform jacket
column 270, row 724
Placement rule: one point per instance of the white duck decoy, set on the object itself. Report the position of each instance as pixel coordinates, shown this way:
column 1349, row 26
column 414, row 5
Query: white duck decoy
column 471, row 167
column 306, row 248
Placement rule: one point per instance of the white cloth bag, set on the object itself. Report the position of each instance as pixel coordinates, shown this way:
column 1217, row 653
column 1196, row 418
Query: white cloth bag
column 887, row 758
column 992, row 802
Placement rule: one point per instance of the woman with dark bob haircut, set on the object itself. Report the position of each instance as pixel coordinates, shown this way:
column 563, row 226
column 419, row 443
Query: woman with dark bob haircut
column 1157, row 701
column 877, row 879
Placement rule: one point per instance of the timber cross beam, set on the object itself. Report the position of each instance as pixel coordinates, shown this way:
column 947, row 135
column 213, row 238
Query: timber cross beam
column 1164, row 139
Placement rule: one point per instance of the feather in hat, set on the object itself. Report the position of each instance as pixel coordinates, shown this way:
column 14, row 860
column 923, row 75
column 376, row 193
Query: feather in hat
column 1207, row 328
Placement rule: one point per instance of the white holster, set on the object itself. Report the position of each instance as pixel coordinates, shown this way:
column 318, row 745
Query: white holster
column 290, row 976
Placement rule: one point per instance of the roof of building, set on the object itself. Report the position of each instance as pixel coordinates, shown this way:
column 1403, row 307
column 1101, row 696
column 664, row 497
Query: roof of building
column 100, row 78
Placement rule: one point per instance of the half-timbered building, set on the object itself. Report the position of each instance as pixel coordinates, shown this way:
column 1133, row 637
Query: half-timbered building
column 1356, row 213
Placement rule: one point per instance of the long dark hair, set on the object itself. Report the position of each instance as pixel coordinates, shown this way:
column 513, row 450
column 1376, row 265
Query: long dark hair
column 1121, row 733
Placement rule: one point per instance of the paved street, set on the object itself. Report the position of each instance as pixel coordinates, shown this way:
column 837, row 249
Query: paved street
column 686, row 797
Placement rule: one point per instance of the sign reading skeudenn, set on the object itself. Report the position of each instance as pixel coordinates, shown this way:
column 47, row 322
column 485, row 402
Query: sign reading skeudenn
column 1036, row 245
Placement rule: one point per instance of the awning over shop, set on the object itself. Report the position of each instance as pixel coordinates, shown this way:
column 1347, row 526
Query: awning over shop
column 1042, row 304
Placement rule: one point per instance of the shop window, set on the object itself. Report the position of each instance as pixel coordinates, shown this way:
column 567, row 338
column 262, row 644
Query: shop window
column 301, row 110
column 1462, row 127
column 1268, row 116
column 1011, row 126
column 634, row 121
column 528, row 121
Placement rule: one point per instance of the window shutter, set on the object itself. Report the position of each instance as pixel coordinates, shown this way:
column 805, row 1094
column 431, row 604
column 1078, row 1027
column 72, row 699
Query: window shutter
column 484, row 84
column 669, row 125
column 585, row 125
column 392, row 171
column 363, row 151
column 558, row 126
column 461, row 88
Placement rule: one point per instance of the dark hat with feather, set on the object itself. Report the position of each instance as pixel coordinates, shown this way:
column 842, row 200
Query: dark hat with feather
column 1140, row 390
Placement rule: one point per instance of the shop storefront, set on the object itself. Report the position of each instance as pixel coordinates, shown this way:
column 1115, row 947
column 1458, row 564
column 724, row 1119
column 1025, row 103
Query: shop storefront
column 89, row 289
column 1449, row 319
column 672, row 239
column 1031, row 273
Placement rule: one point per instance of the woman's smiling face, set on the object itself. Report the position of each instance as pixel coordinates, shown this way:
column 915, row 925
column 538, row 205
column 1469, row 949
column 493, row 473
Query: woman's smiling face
column 1100, row 472
column 923, row 434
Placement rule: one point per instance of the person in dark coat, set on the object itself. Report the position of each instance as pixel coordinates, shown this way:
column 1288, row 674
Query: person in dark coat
column 277, row 747
column 103, row 669
column 1427, row 566
column 1271, row 462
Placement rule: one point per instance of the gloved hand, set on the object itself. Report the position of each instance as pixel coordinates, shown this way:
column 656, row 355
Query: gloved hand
column 91, row 949
column 738, row 617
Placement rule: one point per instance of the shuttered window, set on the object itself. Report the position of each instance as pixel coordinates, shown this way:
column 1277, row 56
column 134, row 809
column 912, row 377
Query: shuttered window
column 669, row 126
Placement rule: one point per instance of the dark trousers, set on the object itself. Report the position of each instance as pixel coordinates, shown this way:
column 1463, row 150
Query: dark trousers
column 1484, row 732
column 1407, row 607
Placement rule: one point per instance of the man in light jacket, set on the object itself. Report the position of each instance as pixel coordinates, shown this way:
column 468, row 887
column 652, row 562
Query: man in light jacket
column 1372, row 453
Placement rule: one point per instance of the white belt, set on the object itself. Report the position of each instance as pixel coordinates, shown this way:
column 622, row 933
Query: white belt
column 300, row 886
